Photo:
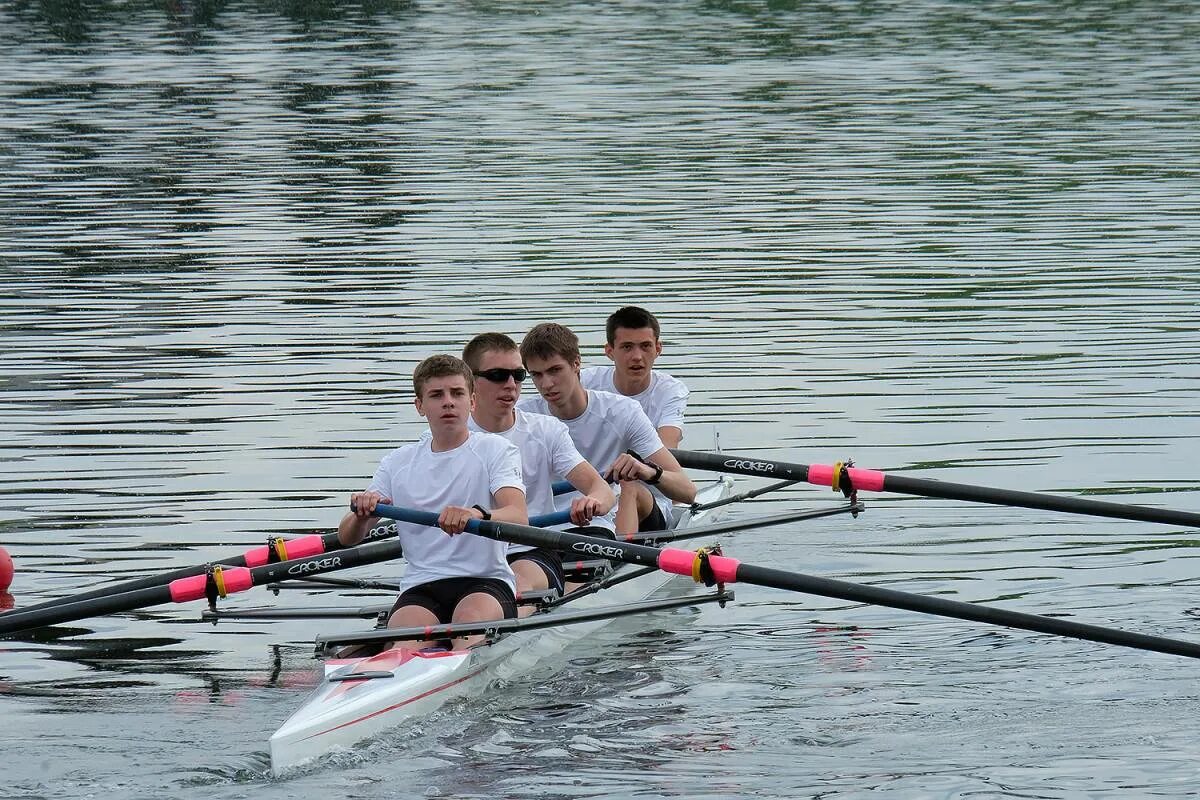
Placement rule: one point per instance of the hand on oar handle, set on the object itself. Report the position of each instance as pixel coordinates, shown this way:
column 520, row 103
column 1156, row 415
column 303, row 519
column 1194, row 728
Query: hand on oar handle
column 627, row 467
column 453, row 519
column 363, row 503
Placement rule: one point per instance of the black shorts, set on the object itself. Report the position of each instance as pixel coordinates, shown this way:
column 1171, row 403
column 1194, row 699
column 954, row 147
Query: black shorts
column 550, row 562
column 654, row 521
column 442, row 597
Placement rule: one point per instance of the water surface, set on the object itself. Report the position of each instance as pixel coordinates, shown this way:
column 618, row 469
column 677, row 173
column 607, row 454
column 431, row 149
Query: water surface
column 953, row 241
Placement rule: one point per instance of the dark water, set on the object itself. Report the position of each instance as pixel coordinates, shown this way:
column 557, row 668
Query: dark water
column 954, row 240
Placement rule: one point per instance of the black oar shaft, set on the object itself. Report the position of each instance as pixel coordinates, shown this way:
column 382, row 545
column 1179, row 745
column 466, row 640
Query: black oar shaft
column 191, row 588
column 306, row 545
column 873, row 480
column 731, row 570
column 903, row 484
column 124, row 587
column 842, row 590
column 735, row 525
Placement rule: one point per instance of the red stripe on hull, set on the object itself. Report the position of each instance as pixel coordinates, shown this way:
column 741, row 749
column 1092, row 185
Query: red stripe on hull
column 421, row 696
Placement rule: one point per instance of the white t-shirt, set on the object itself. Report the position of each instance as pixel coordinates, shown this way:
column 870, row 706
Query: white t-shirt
column 547, row 453
column 610, row 425
column 664, row 400
column 414, row 476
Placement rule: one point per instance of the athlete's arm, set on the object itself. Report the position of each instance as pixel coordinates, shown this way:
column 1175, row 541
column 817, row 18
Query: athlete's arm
column 669, row 418
column 671, row 436
column 598, row 498
column 508, row 505
column 673, row 483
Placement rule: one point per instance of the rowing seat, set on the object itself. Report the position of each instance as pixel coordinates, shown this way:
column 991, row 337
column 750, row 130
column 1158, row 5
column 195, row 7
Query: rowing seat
column 584, row 571
column 537, row 597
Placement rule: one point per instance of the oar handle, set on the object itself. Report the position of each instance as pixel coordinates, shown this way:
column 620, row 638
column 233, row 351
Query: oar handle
column 431, row 519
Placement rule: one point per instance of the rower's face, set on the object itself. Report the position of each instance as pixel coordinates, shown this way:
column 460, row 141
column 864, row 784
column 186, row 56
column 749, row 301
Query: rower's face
column 633, row 350
column 446, row 402
column 491, row 396
column 555, row 377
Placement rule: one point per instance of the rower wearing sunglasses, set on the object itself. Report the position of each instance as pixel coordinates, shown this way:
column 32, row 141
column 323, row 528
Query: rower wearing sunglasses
column 610, row 430
column 547, row 453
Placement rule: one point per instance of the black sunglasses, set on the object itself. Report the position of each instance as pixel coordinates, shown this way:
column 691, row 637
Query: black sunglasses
column 501, row 375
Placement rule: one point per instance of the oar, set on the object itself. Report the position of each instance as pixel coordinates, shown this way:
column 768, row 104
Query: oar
column 721, row 569
column 875, row 481
column 221, row 582
column 277, row 549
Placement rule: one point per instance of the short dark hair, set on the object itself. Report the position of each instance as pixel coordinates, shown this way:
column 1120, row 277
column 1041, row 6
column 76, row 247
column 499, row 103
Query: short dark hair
column 630, row 317
column 441, row 366
column 550, row 339
column 485, row 343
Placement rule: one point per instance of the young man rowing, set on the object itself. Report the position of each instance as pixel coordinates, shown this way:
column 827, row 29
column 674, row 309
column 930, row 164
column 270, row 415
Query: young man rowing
column 604, row 426
column 547, row 453
column 452, row 576
column 633, row 344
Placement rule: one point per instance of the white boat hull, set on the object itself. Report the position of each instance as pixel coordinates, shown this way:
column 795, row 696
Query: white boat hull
column 398, row 685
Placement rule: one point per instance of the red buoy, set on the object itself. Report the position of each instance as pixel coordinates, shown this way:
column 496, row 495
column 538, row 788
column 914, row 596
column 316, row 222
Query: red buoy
column 6, row 570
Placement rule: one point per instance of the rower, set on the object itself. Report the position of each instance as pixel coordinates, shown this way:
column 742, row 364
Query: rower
column 606, row 428
column 463, row 474
column 547, row 452
column 632, row 345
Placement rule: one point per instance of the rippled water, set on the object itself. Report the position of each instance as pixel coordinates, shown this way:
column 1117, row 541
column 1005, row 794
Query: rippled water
column 953, row 240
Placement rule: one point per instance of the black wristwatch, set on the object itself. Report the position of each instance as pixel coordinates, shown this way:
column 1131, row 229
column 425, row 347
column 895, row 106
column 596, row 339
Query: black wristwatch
column 486, row 514
column 657, row 473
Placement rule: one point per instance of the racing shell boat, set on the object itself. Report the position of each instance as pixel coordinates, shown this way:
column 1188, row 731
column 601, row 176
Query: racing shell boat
column 360, row 697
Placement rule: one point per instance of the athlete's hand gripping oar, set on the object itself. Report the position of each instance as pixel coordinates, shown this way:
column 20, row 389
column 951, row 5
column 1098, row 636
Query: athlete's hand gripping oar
column 847, row 478
column 720, row 569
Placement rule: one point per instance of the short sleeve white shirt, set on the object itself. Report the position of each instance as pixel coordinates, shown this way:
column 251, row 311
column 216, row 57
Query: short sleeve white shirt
column 414, row 476
column 664, row 400
column 547, row 453
column 610, row 425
